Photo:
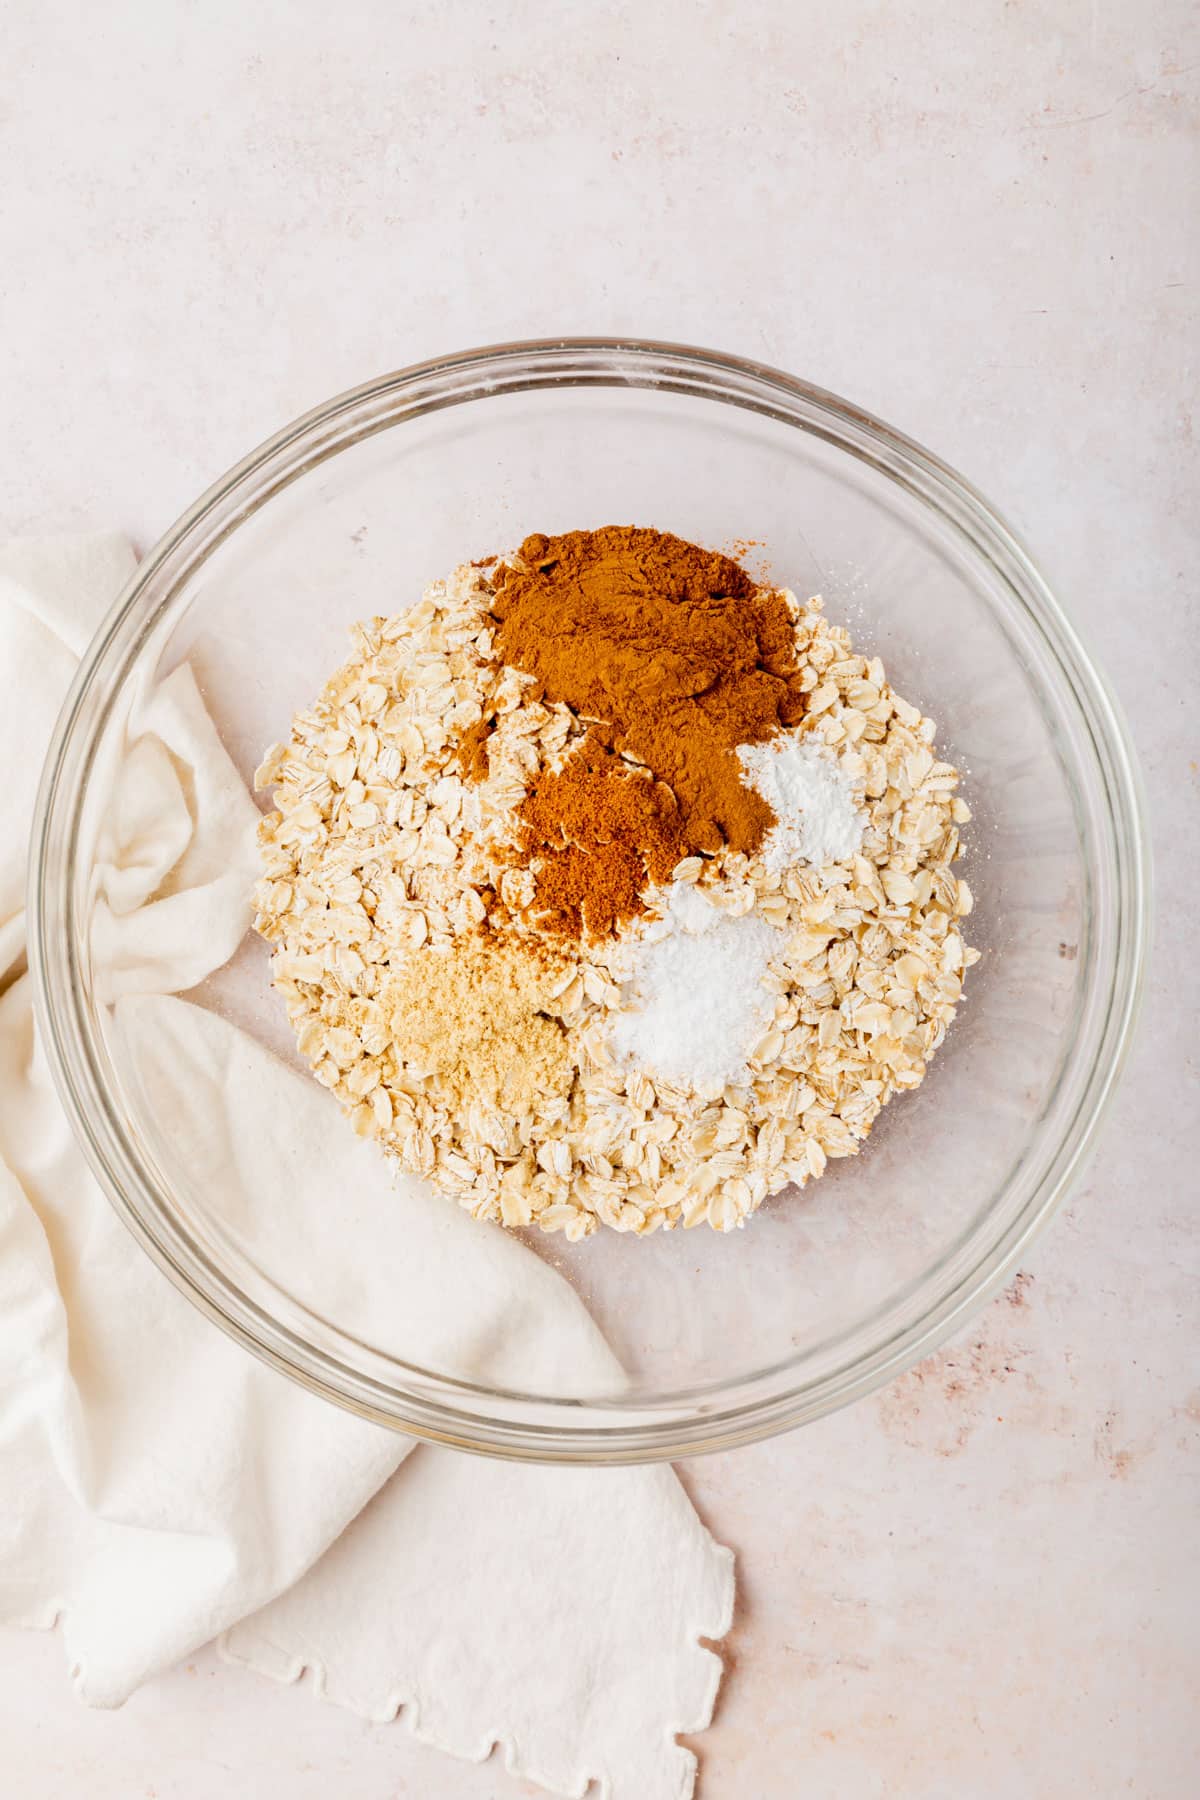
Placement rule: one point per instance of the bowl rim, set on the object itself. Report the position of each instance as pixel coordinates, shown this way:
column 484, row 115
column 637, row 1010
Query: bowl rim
column 436, row 1407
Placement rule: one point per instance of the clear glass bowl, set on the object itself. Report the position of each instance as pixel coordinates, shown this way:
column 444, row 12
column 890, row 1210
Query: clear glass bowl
column 824, row 1295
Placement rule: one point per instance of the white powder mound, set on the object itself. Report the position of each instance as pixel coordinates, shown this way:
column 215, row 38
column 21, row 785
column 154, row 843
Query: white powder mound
column 811, row 796
column 696, row 996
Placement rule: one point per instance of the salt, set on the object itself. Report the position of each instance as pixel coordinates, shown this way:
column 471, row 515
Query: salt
column 697, row 1004
column 812, row 797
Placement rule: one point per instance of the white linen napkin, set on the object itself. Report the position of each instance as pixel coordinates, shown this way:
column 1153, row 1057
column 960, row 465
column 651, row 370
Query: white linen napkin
column 158, row 1486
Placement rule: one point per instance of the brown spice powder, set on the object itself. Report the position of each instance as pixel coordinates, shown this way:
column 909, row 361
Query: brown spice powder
column 601, row 833
column 673, row 649
column 473, row 751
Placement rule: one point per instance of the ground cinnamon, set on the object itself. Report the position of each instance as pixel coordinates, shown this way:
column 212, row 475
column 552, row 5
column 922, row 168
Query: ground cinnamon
column 678, row 657
column 473, row 751
column 675, row 652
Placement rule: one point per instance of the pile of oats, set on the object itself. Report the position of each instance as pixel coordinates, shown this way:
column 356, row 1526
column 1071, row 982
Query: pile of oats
column 377, row 847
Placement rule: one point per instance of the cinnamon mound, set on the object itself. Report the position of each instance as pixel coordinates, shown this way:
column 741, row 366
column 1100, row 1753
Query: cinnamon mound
column 676, row 654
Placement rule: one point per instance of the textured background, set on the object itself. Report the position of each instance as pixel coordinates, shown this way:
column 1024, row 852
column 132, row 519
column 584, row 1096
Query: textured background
column 981, row 223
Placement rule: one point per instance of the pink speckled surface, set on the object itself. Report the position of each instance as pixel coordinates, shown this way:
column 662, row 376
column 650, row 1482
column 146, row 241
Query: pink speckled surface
column 981, row 1584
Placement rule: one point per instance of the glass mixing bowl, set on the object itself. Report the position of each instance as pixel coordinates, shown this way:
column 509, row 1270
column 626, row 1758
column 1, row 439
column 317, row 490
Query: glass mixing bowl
column 825, row 1294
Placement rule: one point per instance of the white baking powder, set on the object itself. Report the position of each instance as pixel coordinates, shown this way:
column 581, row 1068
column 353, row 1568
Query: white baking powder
column 695, row 993
column 810, row 794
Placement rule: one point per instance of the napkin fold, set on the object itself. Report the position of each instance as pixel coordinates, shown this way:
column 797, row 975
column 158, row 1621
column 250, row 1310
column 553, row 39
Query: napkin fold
column 158, row 1486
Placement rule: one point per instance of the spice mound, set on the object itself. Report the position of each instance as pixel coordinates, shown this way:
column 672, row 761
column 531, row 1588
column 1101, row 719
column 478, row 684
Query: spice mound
column 606, row 886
